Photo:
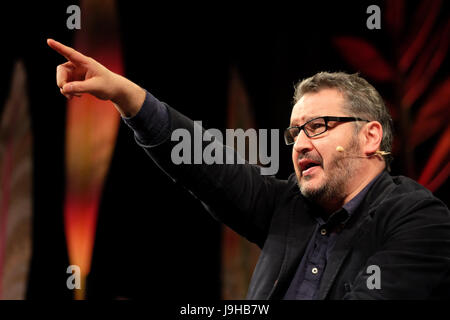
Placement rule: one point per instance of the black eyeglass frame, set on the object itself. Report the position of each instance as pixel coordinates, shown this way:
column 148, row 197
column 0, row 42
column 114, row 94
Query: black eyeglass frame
column 326, row 119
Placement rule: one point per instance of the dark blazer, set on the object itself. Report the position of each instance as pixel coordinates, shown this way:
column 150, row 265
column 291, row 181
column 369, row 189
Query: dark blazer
column 400, row 227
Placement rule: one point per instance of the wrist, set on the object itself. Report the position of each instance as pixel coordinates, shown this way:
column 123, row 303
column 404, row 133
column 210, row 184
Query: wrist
column 129, row 97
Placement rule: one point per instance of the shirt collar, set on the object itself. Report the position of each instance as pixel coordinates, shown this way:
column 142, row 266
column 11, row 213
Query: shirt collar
column 354, row 203
column 342, row 215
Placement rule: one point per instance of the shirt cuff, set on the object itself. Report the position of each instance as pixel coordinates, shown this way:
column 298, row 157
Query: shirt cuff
column 151, row 124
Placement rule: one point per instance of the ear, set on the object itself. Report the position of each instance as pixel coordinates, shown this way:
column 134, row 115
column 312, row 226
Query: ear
column 372, row 133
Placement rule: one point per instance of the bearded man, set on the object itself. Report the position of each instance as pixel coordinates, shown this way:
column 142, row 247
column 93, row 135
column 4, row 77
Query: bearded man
column 340, row 227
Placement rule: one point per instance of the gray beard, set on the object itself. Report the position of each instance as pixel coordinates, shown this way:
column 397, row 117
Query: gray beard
column 341, row 170
column 332, row 190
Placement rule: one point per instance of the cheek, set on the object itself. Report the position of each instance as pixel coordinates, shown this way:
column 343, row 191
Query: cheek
column 328, row 155
column 328, row 162
column 294, row 159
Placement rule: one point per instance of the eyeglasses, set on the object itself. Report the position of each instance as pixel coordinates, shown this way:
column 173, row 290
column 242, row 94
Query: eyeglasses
column 314, row 127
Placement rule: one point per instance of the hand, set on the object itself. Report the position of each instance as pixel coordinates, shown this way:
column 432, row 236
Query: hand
column 82, row 74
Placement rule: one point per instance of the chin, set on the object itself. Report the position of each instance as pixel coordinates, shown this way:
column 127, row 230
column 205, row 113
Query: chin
column 310, row 186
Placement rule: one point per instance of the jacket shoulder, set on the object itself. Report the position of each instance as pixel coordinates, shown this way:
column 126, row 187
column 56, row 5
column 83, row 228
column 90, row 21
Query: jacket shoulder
column 407, row 188
column 400, row 196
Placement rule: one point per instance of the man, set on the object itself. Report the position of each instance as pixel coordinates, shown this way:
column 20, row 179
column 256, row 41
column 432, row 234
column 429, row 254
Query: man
column 352, row 231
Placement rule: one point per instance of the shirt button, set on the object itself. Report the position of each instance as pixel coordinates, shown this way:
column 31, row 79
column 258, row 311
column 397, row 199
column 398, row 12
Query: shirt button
column 323, row 232
column 314, row 270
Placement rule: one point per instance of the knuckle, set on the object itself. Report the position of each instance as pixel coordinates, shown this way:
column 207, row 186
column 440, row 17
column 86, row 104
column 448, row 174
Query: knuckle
column 90, row 61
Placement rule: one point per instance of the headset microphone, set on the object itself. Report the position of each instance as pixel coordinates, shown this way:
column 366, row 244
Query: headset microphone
column 378, row 153
column 382, row 153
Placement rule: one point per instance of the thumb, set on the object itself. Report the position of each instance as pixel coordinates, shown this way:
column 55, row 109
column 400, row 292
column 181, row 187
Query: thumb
column 74, row 87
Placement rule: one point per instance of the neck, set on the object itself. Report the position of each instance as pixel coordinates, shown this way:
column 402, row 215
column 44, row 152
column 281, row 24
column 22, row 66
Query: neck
column 360, row 185
column 361, row 179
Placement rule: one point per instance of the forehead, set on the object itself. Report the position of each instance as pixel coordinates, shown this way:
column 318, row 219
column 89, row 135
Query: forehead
column 326, row 102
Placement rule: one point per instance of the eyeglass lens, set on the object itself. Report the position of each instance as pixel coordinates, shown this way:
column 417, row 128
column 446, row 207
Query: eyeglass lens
column 313, row 128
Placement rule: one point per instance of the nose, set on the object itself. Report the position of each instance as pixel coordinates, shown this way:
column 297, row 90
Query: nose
column 302, row 143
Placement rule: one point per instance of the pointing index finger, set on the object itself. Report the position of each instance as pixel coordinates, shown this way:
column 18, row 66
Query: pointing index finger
column 68, row 52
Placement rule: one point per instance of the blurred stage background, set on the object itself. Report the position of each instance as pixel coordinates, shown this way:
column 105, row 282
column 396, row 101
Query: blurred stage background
column 226, row 64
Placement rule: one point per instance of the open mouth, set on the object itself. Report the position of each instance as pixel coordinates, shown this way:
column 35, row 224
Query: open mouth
column 307, row 166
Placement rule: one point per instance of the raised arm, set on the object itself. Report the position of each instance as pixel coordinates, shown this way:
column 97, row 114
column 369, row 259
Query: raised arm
column 236, row 194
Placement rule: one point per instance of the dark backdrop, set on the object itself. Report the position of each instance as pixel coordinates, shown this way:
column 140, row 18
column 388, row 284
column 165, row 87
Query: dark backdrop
column 153, row 238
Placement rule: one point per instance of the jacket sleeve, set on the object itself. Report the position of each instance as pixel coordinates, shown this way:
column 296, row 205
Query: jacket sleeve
column 235, row 194
column 413, row 261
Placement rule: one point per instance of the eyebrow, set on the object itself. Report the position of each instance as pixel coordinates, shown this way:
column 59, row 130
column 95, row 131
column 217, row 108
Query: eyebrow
column 306, row 120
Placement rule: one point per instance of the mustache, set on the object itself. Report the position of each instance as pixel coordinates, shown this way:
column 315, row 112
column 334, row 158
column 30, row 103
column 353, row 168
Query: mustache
column 311, row 157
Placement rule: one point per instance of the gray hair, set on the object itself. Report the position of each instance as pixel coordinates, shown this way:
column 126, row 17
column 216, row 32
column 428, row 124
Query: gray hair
column 362, row 101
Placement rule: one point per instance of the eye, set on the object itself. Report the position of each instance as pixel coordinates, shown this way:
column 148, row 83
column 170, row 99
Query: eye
column 294, row 133
column 317, row 125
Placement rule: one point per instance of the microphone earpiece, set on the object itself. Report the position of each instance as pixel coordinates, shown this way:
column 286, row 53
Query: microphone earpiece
column 382, row 153
column 378, row 153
